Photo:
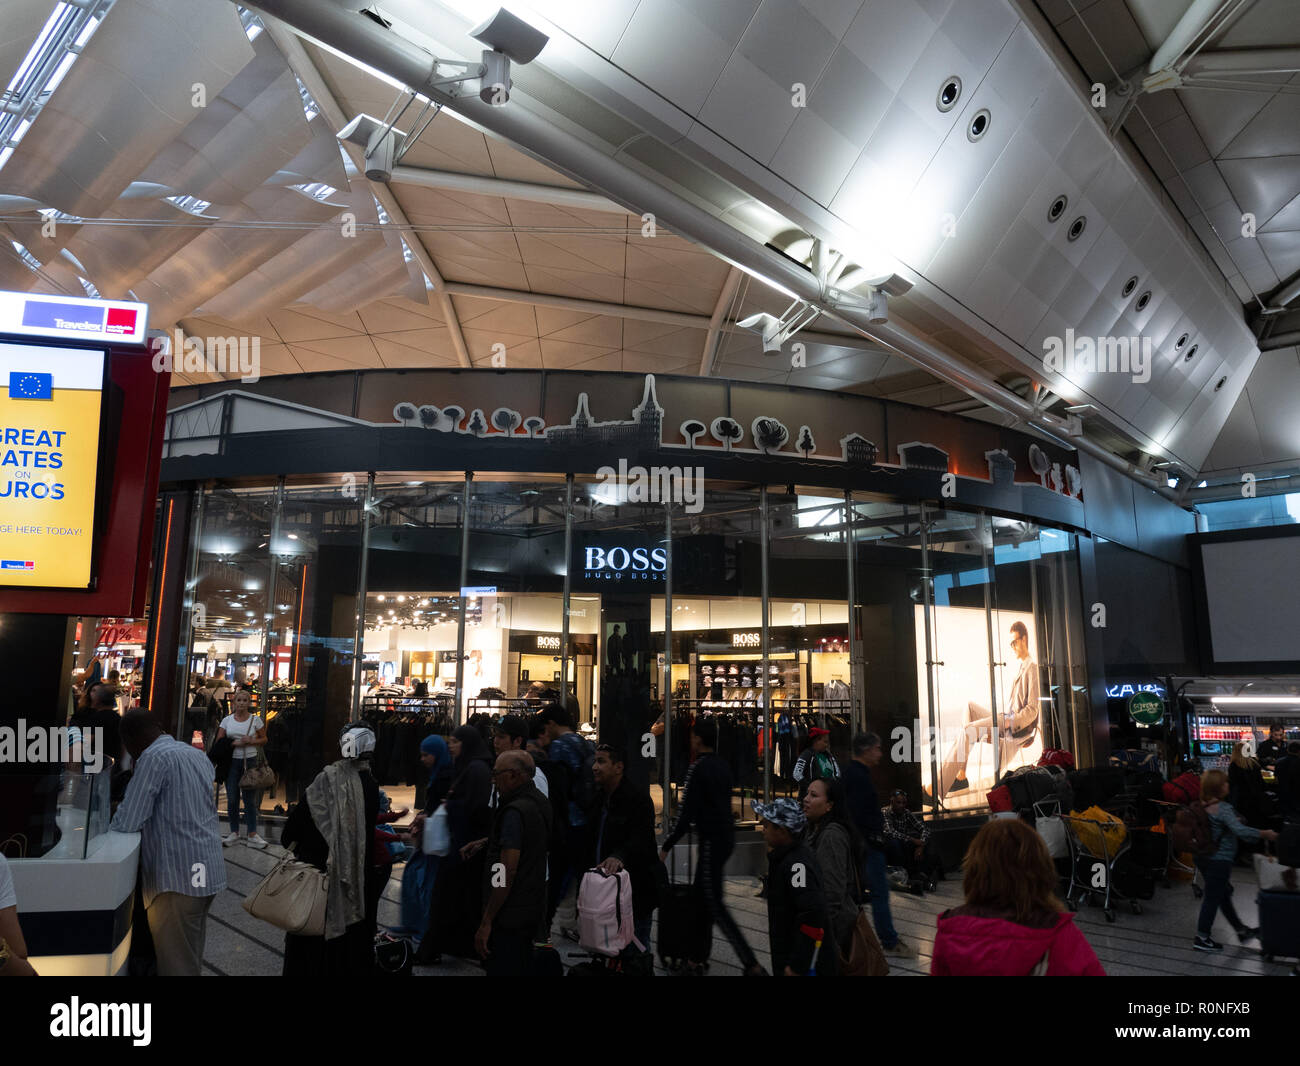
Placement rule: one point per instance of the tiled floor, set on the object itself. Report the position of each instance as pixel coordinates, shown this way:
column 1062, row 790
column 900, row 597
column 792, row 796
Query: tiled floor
column 1157, row 942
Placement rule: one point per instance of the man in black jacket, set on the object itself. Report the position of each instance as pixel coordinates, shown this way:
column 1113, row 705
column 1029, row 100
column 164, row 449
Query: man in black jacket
column 623, row 822
column 706, row 806
column 515, row 869
column 864, row 808
column 798, row 927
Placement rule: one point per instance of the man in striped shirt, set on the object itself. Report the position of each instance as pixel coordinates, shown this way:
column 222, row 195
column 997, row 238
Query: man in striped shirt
column 169, row 802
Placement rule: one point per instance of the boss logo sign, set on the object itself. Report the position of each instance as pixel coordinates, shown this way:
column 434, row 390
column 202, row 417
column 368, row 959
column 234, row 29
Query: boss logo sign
column 746, row 640
column 546, row 643
column 624, row 564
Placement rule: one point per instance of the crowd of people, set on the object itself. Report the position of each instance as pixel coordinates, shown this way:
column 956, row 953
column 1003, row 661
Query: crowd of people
column 523, row 807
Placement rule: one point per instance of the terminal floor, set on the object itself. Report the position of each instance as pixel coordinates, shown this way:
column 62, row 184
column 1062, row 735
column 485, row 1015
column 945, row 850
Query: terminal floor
column 1157, row 942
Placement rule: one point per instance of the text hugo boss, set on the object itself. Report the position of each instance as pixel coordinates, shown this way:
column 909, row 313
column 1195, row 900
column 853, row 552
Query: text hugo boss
column 633, row 563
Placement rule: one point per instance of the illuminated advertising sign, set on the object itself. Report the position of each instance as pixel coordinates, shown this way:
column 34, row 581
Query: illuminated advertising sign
column 626, row 557
column 50, row 402
column 73, row 318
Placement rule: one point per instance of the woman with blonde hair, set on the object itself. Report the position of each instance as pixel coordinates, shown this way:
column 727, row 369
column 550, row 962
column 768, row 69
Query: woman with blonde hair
column 1246, row 785
column 1012, row 924
column 1225, row 828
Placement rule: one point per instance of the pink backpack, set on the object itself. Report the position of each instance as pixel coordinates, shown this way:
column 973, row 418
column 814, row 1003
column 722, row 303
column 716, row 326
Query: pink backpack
column 605, row 912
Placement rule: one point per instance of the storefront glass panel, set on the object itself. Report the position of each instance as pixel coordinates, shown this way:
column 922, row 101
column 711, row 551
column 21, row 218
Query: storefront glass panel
column 888, row 589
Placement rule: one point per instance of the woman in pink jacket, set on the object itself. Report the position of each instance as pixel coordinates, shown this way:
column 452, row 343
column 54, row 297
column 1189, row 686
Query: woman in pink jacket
column 1012, row 924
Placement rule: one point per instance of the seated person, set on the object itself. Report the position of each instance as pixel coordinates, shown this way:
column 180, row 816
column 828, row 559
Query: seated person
column 908, row 844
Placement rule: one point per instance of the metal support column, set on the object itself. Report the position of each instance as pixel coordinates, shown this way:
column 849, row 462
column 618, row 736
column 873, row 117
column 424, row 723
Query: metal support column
column 564, row 614
column 464, row 576
column 272, row 585
column 927, row 603
column 363, row 582
column 185, row 651
column 984, row 530
column 665, row 679
column 857, row 668
column 764, row 715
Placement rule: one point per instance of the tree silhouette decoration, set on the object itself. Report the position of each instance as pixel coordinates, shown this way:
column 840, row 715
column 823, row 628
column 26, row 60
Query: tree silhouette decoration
column 726, row 431
column 477, row 423
column 430, row 416
column 506, row 420
column 806, row 444
column 692, row 430
column 769, row 433
column 405, row 413
column 451, row 418
column 534, row 425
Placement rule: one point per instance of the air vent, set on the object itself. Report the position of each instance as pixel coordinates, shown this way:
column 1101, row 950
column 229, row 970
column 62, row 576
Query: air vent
column 1191, row 353
column 1077, row 227
column 1129, row 286
column 1057, row 209
column 979, row 125
column 1220, row 383
column 1180, row 343
column 949, row 93
column 1143, row 300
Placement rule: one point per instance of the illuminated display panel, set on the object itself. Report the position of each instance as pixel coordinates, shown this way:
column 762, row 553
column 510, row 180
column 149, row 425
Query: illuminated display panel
column 51, row 403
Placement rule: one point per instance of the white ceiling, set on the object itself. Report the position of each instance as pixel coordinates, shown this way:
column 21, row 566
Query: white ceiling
column 707, row 109
column 1221, row 154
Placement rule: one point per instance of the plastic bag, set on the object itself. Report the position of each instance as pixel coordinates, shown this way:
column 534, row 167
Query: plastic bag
column 437, row 833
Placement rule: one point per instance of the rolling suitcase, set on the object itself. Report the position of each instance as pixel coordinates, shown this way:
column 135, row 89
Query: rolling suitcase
column 1279, row 925
column 685, row 925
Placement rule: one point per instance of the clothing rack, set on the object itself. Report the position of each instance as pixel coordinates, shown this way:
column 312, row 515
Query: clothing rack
column 399, row 730
column 744, row 733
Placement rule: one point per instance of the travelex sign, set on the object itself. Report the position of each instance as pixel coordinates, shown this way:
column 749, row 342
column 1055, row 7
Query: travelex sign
column 72, row 317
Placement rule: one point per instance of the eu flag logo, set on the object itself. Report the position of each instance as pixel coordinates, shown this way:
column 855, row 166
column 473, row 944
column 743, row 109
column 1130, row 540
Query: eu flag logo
column 26, row 385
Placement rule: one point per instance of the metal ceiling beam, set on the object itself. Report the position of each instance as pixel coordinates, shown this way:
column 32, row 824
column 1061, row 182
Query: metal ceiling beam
column 1265, row 486
column 1279, row 340
column 681, row 319
column 1245, row 61
column 375, row 46
column 1189, row 27
column 301, row 64
column 726, row 296
column 481, row 185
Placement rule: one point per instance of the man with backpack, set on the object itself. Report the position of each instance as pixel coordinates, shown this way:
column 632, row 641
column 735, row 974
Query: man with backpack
column 623, row 837
column 577, row 755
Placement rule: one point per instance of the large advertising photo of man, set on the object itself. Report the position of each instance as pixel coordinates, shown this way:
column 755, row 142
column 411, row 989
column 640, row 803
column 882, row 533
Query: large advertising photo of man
column 981, row 727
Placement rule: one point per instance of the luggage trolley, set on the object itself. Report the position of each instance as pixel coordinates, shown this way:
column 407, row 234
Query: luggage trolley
column 1081, row 855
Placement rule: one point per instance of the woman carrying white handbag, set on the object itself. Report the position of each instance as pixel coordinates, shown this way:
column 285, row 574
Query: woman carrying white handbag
column 247, row 732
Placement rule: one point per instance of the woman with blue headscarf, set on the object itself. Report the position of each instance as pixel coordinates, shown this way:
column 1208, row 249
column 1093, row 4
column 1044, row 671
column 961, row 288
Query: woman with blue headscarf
column 422, row 870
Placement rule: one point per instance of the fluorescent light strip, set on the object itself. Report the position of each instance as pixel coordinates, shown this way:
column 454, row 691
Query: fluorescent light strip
column 1274, row 700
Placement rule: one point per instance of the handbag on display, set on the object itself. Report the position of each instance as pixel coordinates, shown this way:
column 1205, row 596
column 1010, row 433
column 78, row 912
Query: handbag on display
column 291, row 897
column 436, row 839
